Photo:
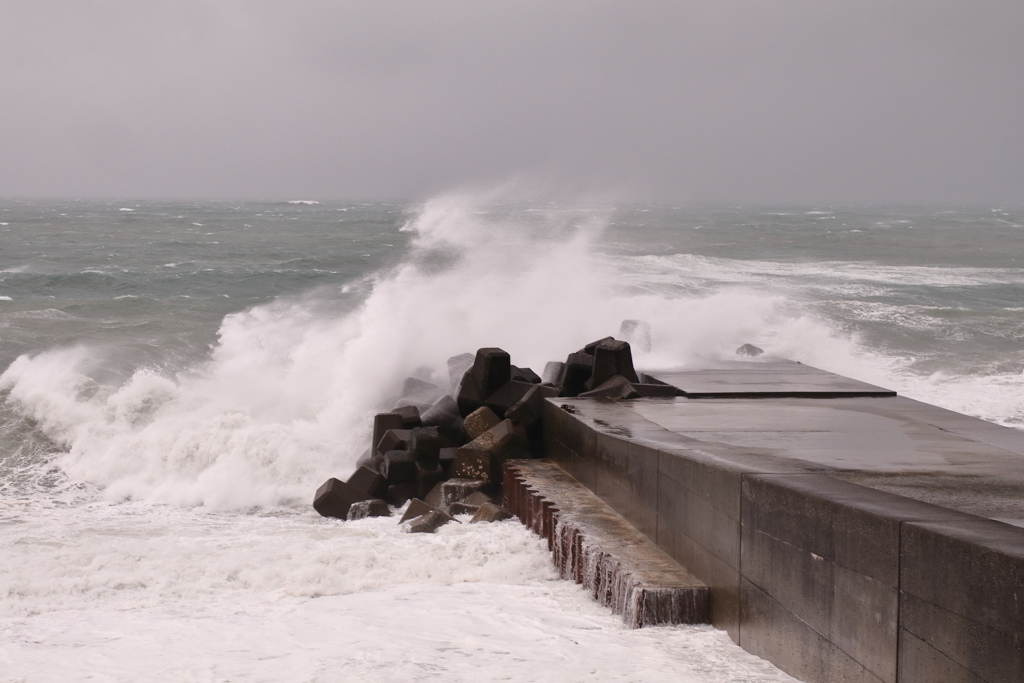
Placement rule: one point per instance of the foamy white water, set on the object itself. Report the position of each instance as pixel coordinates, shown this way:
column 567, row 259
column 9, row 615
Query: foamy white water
column 135, row 592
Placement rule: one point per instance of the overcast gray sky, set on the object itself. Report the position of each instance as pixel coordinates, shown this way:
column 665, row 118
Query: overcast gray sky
column 718, row 100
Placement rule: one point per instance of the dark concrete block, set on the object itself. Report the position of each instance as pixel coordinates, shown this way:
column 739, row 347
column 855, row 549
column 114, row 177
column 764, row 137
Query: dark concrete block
column 425, row 443
column 577, row 371
column 469, row 397
column 507, row 396
column 489, row 512
column 654, row 390
column 529, row 410
column 399, row 467
column 433, row 497
column 491, row 369
column 525, row 375
column 503, row 442
column 369, row 482
column 472, row 463
column 547, row 391
column 529, row 413
column 382, row 423
column 394, row 440
column 477, row 498
column 446, row 457
column 479, row 421
column 612, row 358
column 457, row 368
column 461, row 508
column 429, row 473
column 369, row 508
column 400, row 494
column 335, row 497
column 410, row 416
column 428, row 523
column 617, row 387
column 592, row 346
column 458, row 489
column 416, row 509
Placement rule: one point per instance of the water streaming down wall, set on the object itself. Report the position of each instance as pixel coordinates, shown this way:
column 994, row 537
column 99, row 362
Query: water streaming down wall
column 596, row 548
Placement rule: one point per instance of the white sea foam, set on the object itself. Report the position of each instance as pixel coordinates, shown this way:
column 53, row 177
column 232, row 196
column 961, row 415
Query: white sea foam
column 997, row 397
column 302, row 201
column 144, row 593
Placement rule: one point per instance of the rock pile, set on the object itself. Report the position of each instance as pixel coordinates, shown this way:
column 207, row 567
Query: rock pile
column 447, row 457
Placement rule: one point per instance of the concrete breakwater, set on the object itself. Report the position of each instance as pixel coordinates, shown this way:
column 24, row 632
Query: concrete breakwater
column 838, row 530
column 845, row 533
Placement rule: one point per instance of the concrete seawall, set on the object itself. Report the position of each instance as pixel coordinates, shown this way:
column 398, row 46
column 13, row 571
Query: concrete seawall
column 845, row 533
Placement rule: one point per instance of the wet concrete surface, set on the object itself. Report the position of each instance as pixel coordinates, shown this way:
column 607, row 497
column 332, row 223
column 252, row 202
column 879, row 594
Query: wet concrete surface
column 894, row 444
column 770, row 378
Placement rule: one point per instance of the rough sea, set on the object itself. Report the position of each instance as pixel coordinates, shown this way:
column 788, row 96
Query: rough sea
column 178, row 378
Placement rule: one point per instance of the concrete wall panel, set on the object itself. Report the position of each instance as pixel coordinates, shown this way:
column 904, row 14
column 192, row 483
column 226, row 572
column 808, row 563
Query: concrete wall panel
column 682, row 513
column 989, row 654
column 771, row 631
column 963, row 595
column 627, row 479
column 921, row 663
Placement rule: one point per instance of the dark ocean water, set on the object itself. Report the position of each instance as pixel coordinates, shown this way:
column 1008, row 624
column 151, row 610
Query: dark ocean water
column 176, row 370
